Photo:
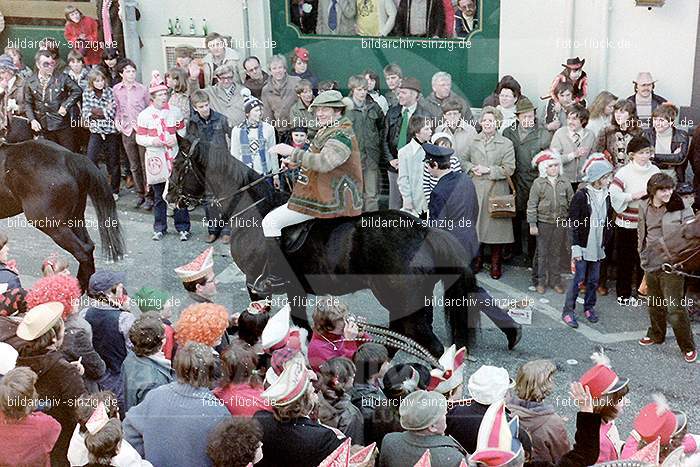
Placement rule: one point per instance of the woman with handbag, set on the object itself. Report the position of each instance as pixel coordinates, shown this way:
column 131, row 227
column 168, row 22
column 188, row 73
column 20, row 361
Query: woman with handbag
column 490, row 161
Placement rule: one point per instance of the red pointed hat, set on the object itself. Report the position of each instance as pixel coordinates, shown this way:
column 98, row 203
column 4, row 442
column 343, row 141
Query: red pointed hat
column 363, row 456
column 276, row 332
column 290, row 386
column 424, row 460
column 649, row 453
column 657, row 420
column 260, row 307
column 601, row 379
column 452, row 360
column 338, row 458
column 200, row 267
column 497, row 443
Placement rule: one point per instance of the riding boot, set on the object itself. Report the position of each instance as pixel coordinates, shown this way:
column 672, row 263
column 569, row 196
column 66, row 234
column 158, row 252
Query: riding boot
column 496, row 259
column 268, row 282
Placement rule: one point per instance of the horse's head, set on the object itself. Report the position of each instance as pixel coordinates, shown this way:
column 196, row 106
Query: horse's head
column 187, row 181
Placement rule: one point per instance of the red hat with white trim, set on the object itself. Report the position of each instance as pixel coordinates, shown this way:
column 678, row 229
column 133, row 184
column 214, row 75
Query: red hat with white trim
column 601, row 379
column 657, row 420
column 276, row 331
column 200, row 267
column 497, row 443
column 340, row 457
column 546, row 158
column 260, row 307
column 290, row 386
column 156, row 83
column 648, row 454
column 444, row 381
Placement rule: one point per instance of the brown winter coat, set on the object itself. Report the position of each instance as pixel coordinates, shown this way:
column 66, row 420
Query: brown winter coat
column 499, row 156
column 278, row 99
column 546, row 429
column 330, row 181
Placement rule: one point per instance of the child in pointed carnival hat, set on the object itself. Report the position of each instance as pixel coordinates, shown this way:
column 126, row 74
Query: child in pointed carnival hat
column 608, row 393
column 198, row 277
column 282, row 342
column 450, row 380
column 547, row 208
column 591, row 221
column 661, row 431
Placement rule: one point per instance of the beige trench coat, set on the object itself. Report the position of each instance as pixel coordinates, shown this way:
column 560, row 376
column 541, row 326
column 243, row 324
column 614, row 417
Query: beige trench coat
column 499, row 156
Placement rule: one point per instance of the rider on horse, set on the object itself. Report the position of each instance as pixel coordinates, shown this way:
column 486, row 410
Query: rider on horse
column 329, row 183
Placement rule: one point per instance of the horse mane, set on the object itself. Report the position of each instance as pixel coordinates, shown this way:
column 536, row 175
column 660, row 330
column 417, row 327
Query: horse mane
column 218, row 161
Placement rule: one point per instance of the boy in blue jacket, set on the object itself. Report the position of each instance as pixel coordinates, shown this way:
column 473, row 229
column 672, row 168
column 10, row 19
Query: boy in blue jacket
column 591, row 222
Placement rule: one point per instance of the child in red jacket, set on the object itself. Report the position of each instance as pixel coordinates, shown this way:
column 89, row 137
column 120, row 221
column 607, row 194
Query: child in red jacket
column 81, row 33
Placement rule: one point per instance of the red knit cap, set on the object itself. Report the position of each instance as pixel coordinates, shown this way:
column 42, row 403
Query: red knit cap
column 57, row 288
column 204, row 323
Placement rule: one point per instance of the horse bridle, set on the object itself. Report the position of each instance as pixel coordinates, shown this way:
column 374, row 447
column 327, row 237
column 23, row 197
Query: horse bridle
column 676, row 268
column 191, row 202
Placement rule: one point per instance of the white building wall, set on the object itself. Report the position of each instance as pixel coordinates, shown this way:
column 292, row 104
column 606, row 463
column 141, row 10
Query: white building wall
column 223, row 16
column 536, row 38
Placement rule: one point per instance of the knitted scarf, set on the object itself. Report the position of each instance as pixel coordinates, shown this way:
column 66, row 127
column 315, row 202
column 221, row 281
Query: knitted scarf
column 257, row 146
column 106, row 24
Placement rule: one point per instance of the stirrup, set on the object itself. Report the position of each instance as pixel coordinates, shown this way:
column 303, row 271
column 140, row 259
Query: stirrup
column 266, row 285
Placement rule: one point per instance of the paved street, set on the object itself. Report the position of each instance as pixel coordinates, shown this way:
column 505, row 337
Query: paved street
column 651, row 369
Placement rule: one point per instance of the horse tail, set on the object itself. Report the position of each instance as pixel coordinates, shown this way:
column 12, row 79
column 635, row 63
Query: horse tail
column 100, row 194
column 461, row 303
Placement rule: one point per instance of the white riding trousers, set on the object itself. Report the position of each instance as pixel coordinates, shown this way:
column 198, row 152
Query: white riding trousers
column 281, row 217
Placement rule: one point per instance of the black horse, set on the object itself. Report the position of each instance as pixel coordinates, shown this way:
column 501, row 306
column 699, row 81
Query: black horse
column 50, row 184
column 389, row 252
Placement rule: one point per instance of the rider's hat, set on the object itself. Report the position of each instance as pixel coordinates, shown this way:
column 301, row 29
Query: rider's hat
column 331, row 98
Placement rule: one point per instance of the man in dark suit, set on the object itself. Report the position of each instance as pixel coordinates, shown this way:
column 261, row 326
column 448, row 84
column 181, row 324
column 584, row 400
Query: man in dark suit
column 396, row 132
column 453, row 207
column 453, row 204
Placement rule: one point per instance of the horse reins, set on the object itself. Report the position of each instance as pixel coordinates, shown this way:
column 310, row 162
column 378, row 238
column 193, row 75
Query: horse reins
column 675, row 268
column 216, row 201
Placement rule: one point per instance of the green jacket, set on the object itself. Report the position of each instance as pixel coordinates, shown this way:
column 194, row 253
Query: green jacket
column 368, row 125
column 548, row 203
column 535, row 141
column 301, row 116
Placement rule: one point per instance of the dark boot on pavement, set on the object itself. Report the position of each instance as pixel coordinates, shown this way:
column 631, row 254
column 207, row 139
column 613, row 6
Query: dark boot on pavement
column 496, row 261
